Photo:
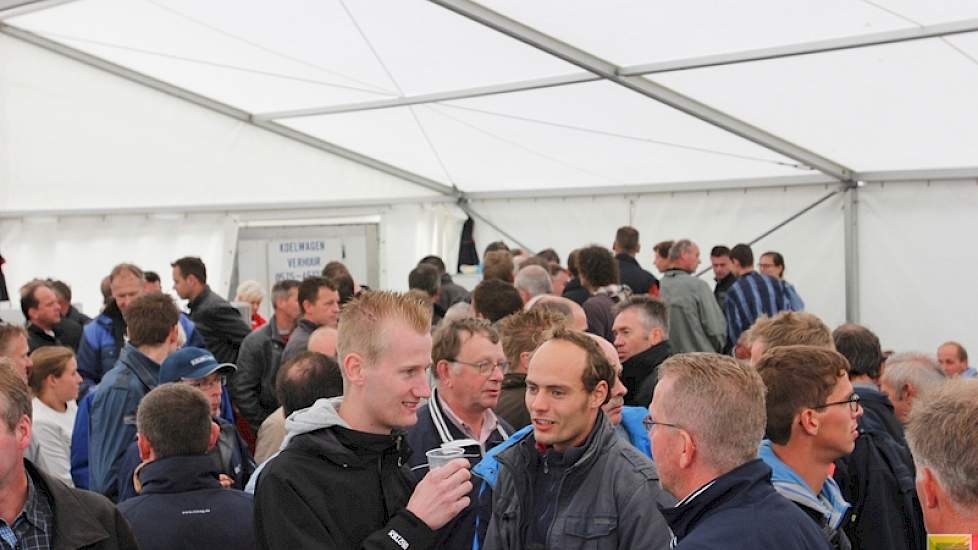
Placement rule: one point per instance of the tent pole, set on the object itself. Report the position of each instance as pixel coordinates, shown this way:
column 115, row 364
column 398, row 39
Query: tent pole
column 851, row 219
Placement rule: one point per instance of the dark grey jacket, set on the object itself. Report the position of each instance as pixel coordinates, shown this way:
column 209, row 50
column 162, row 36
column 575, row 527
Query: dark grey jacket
column 253, row 385
column 607, row 500
column 220, row 324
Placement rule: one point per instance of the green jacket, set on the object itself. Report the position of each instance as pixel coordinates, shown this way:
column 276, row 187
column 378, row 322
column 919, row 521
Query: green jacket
column 696, row 322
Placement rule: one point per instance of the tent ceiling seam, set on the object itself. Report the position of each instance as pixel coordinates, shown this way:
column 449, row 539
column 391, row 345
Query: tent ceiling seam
column 648, row 88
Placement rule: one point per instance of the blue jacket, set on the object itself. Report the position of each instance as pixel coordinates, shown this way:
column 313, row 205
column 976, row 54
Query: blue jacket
column 230, row 455
column 631, row 421
column 182, row 506
column 740, row 510
column 99, row 350
column 79, row 437
column 112, row 418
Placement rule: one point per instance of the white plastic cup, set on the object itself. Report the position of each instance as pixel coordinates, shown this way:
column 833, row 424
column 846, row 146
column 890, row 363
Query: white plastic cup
column 439, row 456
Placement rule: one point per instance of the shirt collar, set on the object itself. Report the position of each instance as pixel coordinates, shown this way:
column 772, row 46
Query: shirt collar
column 489, row 422
column 36, row 509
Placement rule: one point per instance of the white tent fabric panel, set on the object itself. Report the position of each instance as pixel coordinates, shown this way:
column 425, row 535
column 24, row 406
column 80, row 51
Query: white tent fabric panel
column 75, row 137
column 584, row 135
column 262, row 57
column 894, row 107
column 812, row 244
column 632, row 32
column 916, row 264
column 83, row 250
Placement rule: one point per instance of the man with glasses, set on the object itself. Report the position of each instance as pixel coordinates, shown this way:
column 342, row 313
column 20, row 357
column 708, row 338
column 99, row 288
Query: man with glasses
column 705, row 424
column 231, row 458
column 812, row 413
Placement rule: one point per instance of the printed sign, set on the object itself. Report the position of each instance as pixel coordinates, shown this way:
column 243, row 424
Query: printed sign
column 300, row 258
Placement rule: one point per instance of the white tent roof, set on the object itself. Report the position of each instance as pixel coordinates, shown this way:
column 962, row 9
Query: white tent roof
column 597, row 94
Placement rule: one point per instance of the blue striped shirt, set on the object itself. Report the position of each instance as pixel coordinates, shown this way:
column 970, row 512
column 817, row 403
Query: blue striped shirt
column 750, row 296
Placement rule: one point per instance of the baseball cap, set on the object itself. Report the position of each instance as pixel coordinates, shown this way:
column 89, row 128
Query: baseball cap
column 192, row 364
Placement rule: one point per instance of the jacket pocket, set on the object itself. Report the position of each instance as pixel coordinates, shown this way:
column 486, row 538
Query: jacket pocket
column 589, row 533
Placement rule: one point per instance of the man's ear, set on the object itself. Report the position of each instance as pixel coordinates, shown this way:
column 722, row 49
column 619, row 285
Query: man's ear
column 353, row 369
column 23, row 432
column 441, row 371
column 809, row 422
column 215, row 433
column 598, row 395
column 525, row 360
column 688, row 453
column 927, row 488
column 145, row 448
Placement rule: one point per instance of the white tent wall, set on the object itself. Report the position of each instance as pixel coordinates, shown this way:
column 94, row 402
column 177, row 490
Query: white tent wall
column 916, row 263
column 76, row 137
column 812, row 244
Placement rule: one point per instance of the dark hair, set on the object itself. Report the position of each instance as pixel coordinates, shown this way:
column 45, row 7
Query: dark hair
column 777, row 258
column 598, row 266
column 662, row 249
column 305, row 378
column 497, row 264
column 860, row 347
column 153, row 277
column 495, row 299
column 28, row 296
column 343, row 282
column 426, row 278
column 572, row 262
column 447, row 340
column 550, row 255
column 192, row 265
column 743, row 254
column 720, row 250
column 797, row 377
column 435, row 261
column 176, row 419
column 627, row 239
column 495, row 245
column 309, row 289
column 61, row 289
column 150, row 318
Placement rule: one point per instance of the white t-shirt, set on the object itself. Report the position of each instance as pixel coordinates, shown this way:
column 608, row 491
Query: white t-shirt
column 52, row 432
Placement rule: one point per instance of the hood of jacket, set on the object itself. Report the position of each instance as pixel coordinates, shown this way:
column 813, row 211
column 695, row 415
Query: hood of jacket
column 786, row 481
column 324, row 413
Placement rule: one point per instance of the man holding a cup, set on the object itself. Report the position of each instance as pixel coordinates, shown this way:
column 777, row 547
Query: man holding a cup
column 341, row 480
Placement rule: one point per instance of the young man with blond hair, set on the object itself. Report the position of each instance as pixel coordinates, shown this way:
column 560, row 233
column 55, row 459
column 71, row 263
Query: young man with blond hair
column 788, row 328
column 341, row 480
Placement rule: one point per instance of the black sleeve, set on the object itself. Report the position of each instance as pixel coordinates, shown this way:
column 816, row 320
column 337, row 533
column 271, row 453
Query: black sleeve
column 246, row 382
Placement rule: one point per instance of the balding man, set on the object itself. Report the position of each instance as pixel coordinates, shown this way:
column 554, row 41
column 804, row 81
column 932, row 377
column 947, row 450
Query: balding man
column 946, row 458
column 908, row 376
column 272, row 430
column 696, row 322
column 706, row 422
column 954, row 360
column 532, row 281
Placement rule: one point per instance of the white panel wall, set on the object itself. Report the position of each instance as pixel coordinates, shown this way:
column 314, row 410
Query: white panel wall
column 72, row 136
column 812, row 244
column 917, row 263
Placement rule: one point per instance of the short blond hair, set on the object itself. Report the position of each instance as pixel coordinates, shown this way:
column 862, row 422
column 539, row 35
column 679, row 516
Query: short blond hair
column 791, row 328
column 364, row 322
column 250, row 291
column 719, row 400
column 942, row 436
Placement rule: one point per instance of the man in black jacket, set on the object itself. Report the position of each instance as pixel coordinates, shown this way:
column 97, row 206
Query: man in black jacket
column 626, row 247
column 341, row 481
column 253, row 385
column 878, row 477
column 40, row 307
column 181, row 504
column 218, row 321
column 641, row 332
column 37, row 509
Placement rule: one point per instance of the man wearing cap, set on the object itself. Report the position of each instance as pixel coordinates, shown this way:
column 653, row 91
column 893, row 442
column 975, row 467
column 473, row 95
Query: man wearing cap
column 197, row 367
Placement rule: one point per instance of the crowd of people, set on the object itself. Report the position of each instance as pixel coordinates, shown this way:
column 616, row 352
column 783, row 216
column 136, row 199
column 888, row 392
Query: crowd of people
column 593, row 405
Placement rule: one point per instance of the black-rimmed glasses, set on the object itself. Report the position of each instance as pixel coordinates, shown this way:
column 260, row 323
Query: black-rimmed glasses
column 853, row 402
column 485, row 367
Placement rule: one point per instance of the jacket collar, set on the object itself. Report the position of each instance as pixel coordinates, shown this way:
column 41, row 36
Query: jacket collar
column 271, row 330
column 623, row 257
column 204, row 294
column 179, row 474
column 147, row 370
column 829, row 501
column 684, row 517
column 650, row 357
column 595, row 445
column 514, row 380
column 75, row 523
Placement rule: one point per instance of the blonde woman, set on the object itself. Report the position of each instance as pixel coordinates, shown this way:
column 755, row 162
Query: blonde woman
column 250, row 292
column 54, row 380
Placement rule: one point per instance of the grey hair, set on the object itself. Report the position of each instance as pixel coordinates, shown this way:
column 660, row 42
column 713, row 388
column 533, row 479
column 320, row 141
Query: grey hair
column 535, row 280
column 653, row 313
column 942, row 437
column 679, row 247
column 719, row 400
column 250, row 291
column 917, row 369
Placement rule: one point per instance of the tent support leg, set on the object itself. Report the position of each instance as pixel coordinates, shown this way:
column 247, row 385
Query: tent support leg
column 851, row 220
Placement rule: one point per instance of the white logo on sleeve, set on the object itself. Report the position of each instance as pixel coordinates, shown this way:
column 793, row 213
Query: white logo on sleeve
column 396, row 537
